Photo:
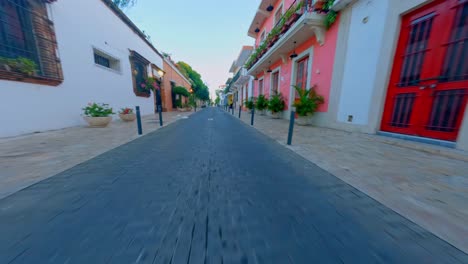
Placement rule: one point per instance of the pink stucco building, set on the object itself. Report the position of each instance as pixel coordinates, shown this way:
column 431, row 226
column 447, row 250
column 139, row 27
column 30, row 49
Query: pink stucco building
column 302, row 54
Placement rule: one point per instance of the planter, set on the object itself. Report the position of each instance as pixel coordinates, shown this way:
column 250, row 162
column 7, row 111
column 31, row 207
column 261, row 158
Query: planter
column 127, row 117
column 275, row 115
column 318, row 6
column 262, row 112
column 303, row 120
column 180, row 109
column 98, row 121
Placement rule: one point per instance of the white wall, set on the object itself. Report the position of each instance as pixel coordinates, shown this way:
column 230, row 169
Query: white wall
column 79, row 25
column 361, row 61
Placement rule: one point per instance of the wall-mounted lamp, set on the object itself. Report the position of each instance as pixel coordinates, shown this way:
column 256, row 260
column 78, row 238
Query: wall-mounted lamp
column 294, row 54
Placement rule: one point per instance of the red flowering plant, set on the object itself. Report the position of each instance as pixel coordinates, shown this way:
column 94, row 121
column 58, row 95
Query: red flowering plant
column 126, row 111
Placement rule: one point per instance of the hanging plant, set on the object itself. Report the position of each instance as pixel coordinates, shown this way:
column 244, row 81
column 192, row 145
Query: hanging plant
column 331, row 16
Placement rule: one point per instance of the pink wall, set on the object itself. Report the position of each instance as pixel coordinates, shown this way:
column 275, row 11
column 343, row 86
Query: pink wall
column 322, row 61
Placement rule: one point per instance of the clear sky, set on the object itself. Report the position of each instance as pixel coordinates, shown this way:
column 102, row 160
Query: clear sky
column 207, row 34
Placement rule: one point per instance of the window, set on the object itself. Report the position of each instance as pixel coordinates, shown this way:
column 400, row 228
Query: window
column 260, row 87
column 301, row 72
column 139, row 72
column 278, row 14
column 275, row 82
column 105, row 60
column 24, row 31
column 262, row 37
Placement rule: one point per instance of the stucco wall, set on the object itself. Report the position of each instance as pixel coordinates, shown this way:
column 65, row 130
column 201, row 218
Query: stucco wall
column 321, row 63
column 79, row 26
column 361, row 62
column 172, row 76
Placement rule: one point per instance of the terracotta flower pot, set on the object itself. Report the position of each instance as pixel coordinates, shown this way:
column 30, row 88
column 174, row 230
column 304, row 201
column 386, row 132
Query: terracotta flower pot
column 275, row 115
column 128, row 117
column 98, row 121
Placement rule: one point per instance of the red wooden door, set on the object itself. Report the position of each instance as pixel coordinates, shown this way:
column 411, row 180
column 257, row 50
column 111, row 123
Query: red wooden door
column 427, row 95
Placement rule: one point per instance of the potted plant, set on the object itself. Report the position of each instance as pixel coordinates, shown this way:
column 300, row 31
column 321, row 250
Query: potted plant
column 273, row 36
column 276, row 105
column 250, row 104
column 126, row 114
column 98, row 115
column 262, row 104
column 306, row 104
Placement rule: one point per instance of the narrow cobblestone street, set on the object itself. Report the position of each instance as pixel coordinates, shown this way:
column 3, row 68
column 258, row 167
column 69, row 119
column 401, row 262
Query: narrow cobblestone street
column 207, row 189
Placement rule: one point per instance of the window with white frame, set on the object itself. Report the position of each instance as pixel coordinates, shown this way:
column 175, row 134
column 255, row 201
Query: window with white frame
column 262, row 36
column 105, row 60
column 260, row 87
column 278, row 14
column 275, row 82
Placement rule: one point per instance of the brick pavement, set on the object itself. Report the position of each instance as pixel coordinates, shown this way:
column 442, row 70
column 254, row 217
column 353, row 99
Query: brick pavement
column 427, row 184
column 192, row 193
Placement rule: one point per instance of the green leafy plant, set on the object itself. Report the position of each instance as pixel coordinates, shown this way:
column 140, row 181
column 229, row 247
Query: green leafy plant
column 262, row 103
column 331, row 16
column 97, row 110
column 250, row 103
column 276, row 103
column 180, row 90
column 179, row 103
column 21, row 65
column 330, row 19
column 308, row 101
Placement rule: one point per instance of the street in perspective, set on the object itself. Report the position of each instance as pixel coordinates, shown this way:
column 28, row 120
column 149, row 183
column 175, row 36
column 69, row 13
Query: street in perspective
column 282, row 131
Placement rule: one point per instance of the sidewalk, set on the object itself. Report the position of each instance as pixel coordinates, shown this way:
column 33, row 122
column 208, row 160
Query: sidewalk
column 28, row 159
column 427, row 184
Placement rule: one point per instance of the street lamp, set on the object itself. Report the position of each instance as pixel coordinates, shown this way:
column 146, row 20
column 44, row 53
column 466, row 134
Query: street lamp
column 159, row 73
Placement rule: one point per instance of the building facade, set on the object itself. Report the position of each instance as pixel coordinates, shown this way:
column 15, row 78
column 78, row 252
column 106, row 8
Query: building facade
column 299, row 50
column 393, row 67
column 172, row 78
column 81, row 51
column 241, row 84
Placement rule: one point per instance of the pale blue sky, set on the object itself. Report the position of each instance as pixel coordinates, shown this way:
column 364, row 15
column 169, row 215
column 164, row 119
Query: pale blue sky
column 207, row 34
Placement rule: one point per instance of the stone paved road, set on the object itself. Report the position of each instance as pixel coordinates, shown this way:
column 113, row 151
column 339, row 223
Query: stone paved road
column 206, row 190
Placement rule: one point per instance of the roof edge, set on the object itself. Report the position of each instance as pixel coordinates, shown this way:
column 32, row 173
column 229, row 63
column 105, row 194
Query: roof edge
column 118, row 12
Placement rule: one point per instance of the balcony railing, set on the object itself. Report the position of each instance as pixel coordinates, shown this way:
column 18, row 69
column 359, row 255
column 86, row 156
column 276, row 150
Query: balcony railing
column 289, row 18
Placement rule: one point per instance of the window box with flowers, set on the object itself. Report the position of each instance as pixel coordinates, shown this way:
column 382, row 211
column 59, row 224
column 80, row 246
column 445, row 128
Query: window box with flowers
column 98, row 115
column 127, row 115
column 28, row 44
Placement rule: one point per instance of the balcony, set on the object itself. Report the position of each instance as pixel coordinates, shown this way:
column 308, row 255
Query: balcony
column 300, row 22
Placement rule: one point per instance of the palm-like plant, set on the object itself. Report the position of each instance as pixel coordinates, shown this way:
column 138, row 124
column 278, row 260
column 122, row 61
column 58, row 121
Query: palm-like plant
column 308, row 101
column 250, row 104
column 262, row 103
column 276, row 103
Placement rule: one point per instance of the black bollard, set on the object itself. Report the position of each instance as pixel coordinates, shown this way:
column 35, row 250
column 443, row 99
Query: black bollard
column 160, row 115
column 240, row 110
column 140, row 129
column 291, row 127
column 252, row 118
column 232, row 109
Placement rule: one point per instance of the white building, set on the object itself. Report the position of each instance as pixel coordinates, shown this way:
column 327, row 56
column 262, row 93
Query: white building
column 241, row 84
column 85, row 51
column 401, row 69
